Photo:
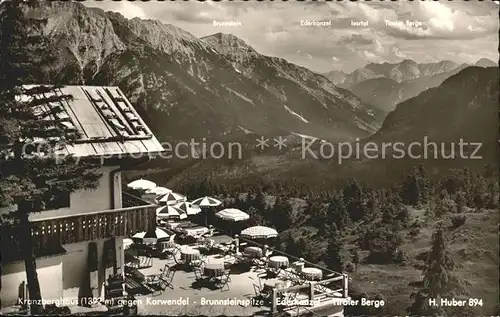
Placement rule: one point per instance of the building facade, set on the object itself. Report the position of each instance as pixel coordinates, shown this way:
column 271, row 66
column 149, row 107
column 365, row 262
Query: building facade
column 79, row 239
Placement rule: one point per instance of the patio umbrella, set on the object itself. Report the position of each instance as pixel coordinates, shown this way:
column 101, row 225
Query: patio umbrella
column 232, row 214
column 158, row 191
column 259, row 232
column 188, row 208
column 141, row 184
column 171, row 198
column 206, row 202
column 168, row 212
column 151, row 236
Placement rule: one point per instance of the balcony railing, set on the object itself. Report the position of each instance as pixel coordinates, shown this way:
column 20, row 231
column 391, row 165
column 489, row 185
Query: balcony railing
column 87, row 226
column 94, row 226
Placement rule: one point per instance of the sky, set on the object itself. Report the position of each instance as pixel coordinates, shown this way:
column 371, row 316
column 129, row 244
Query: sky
column 461, row 31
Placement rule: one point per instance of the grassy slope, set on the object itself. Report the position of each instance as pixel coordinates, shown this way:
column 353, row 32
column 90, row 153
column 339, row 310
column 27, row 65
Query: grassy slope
column 474, row 247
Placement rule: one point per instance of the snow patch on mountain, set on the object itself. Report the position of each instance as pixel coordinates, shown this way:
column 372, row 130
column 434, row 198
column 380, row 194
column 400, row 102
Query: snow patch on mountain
column 304, row 136
column 245, row 130
column 240, row 95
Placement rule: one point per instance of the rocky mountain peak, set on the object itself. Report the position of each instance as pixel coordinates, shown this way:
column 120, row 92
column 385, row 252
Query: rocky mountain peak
column 86, row 33
column 484, row 62
column 408, row 62
column 184, row 86
column 164, row 37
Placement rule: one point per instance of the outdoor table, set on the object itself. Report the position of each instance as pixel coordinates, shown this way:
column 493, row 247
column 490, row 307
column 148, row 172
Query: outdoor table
column 278, row 262
column 275, row 283
column 312, row 273
column 195, row 231
column 190, row 254
column 254, row 252
column 172, row 225
column 167, row 245
column 180, row 226
column 222, row 239
column 213, row 269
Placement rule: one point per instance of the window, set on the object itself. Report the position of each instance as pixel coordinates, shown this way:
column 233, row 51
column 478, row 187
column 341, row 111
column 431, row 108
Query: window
column 57, row 200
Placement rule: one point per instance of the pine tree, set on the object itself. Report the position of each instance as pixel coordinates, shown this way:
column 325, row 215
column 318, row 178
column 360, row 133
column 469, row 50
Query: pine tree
column 28, row 179
column 424, row 184
column 355, row 256
column 460, row 202
column 412, row 192
column 333, row 257
column 438, row 281
column 280, row 215
column 372, row 210
column 352, row 191
column 259, row 202
column 337, row 213
column 205, row 188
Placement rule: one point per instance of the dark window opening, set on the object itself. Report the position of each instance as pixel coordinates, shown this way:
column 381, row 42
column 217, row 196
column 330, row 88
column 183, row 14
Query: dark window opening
column 57, row 200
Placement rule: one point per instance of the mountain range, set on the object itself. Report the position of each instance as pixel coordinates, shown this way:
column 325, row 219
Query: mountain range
column 385, row 85
column 219, row 87
column 187, row 87
column 464, row 106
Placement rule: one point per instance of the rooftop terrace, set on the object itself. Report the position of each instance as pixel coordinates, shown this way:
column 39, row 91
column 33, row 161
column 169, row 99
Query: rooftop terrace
column 188, row 296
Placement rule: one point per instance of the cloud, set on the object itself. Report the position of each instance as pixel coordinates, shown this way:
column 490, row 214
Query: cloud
column 441, row 21
column 370, row 56
column 273, row 28
column 130, row 10
column 397, row 53
column 355, row 39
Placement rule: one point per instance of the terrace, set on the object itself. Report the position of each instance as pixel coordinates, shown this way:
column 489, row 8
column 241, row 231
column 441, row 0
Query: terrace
column 255, row 286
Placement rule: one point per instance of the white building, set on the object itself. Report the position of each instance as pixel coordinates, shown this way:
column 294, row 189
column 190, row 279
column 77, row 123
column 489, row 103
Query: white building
column 97, row 220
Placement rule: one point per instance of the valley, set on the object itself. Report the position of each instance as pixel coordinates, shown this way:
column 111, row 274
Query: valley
column 314, row 143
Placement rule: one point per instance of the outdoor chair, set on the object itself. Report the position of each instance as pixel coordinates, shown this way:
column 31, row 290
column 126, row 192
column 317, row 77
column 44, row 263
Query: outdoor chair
column 155, row 277
column 259, row 292
column 167, row 280
column 166, row 254
column 199, row 276
column 177, row 259
column 224, row 280
column 198, row 263
column 145, row 261
column 271, row 272
column 261, row 263
column 155, row 281
column 296, row 278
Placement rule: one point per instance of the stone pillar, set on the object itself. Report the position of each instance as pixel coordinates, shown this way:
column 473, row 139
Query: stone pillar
column 300, row 265
column 237, row 243
column 311, row 293
column 346, row 284
column 274, row 300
